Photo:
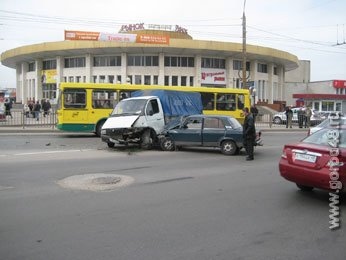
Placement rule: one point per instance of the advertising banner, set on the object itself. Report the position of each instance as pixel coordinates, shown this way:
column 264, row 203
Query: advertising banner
column 99, row 36
column 153, row 39
column 48, row 76
column 213, row 76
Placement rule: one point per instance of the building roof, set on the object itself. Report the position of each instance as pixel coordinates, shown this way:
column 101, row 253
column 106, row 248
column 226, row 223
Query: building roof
column 182, row 47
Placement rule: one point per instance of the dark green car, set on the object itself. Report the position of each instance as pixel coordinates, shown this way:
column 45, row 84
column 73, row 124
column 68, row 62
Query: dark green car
column 224, row 132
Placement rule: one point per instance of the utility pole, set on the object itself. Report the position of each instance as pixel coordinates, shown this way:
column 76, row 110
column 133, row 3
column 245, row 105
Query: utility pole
column 244, row 49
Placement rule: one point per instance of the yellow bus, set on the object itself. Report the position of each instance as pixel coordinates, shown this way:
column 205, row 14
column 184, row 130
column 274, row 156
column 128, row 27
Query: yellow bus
column 84, row 107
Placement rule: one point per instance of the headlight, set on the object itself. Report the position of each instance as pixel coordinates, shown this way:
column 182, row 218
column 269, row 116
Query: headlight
column 103, row 131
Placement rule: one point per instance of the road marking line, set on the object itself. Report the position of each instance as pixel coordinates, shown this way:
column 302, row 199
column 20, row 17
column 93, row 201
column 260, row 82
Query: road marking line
column 51, row 152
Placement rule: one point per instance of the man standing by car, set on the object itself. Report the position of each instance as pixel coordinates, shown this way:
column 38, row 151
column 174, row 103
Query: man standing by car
column 249, row 134
column 289, row 115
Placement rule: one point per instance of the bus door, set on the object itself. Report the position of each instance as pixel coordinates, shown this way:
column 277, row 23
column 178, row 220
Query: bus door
column 74, row 106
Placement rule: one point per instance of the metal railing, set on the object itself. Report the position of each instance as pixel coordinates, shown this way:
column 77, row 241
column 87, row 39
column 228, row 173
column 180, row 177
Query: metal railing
column 20, row 118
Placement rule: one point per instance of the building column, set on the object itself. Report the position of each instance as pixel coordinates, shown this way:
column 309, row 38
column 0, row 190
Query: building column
column 161, row 80
column 124, row 68
column 20, row 86
column 270, row 83
column 88, row 68
column 198, row 71
column 38, row 81
column 281, row 80
column 230, row 82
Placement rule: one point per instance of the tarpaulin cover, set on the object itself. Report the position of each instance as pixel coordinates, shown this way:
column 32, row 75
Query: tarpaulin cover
column 175, row 103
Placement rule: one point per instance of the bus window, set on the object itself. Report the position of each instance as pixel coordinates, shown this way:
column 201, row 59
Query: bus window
column 207, row 101
column 74, row 98
column 241, row 99
column 103, row 98
column 226, row 102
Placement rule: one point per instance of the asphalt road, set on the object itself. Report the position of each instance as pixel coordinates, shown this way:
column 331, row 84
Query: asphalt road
column 189, row 204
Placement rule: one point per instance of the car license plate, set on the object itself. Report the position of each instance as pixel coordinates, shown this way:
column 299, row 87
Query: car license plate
column 305, row 157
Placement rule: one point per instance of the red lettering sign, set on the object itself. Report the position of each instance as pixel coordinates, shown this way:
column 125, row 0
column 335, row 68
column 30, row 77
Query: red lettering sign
column 339, row 83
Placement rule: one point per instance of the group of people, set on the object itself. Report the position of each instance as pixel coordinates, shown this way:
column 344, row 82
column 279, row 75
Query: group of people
column 34, row 109
column 303, row 114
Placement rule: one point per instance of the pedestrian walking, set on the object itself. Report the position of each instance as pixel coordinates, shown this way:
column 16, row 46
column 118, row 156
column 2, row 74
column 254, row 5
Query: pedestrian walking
column 8, row 107
column 46, row 106
column 289, row 116
column 249, row 134
column 308, row 114
column 37, row 110
column 301, row 117
column 254, row 112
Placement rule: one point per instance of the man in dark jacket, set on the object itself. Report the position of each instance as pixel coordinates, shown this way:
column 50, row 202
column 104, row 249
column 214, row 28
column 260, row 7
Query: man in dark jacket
column 249, row 134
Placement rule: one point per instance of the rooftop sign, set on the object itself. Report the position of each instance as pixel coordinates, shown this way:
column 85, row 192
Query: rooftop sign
column 143, row 26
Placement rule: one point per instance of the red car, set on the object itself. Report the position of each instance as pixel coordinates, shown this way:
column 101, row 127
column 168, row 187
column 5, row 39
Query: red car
column 318, row 161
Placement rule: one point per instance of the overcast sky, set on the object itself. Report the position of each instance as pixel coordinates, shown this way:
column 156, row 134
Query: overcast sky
column 310, row 29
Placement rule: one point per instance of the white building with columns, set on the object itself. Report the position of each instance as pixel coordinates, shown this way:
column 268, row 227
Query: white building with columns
column 142, row 54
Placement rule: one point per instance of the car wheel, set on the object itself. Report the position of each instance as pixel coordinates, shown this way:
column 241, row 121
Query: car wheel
column 147, row 140
column 167, row 144
column 304, row 188
column 277, row 120
column 229, row 147
column 110, row 144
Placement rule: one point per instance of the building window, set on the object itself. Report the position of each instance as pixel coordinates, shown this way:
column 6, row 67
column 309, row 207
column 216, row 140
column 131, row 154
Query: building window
column 102, row 79
column 263, row 68
column 327, row 105
column 75, row 62
column 191, row 81
column 213, row 63
column 119, row 79
column 49, row 65
column 156, row 80
column 110, row 79
column 107, row 61
column 32, row 66
column 174, row 80
column 174, row 61
column 70, row 79
column 94, row 79
column 78, row 79
column 142, row 60
column 183, row 80
column 138, row 79
column 237, row 65
column 166, row 80
column 147, row 80
column 275, row 71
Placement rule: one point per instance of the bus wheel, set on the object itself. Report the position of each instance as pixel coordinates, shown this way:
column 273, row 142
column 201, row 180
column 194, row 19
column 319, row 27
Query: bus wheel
column 147, row 140
column 99, row 127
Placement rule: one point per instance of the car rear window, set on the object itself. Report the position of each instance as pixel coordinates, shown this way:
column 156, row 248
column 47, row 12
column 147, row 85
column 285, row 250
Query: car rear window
column 326, row 136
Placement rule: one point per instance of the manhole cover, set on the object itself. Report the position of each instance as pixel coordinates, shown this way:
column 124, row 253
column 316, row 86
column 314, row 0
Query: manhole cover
column 96, row 182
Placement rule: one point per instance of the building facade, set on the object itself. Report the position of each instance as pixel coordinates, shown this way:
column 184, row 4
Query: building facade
column 323, row 96
column 150, row 55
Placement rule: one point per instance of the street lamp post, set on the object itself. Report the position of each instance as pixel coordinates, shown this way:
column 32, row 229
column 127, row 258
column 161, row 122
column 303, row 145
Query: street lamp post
column 244, row 49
